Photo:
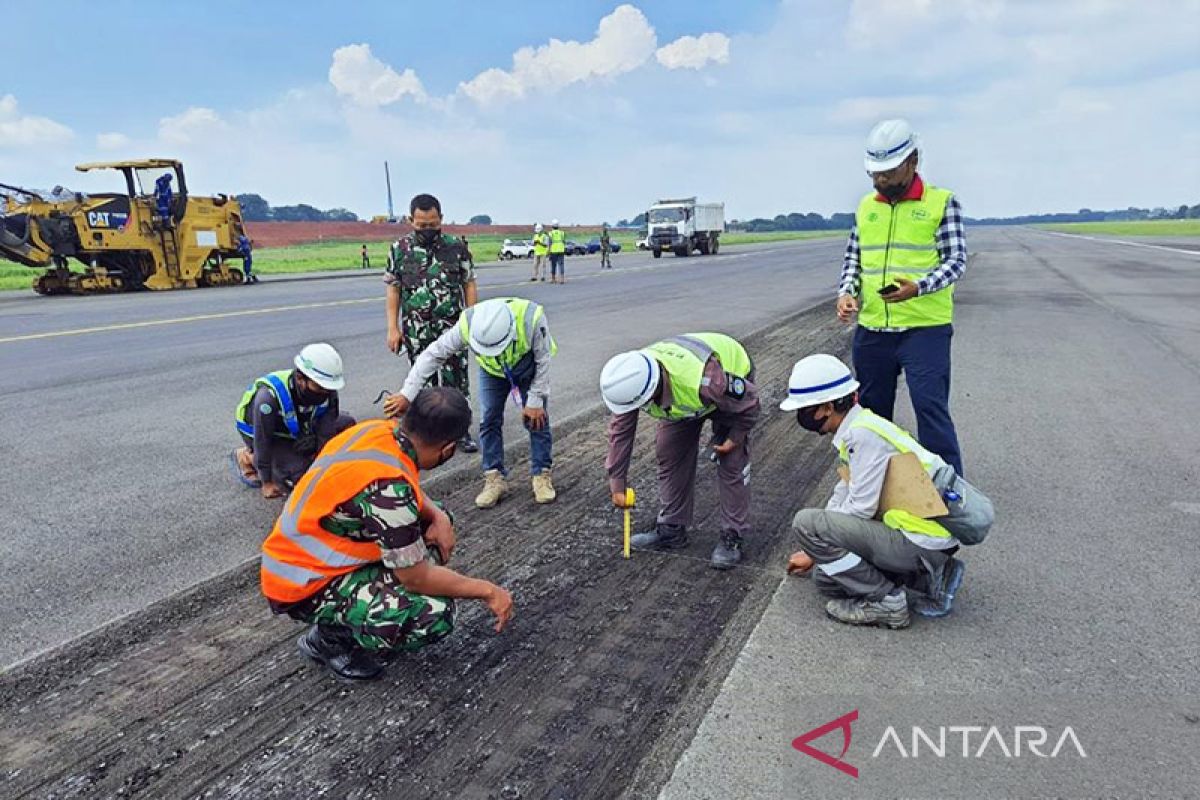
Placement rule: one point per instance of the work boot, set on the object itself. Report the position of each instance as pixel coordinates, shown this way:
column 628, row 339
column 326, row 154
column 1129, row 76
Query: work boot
column 663, row 537
column 728, row 552
column 940, row 601
column 543, row 489
column 334, row 646
column 890, row 612
column 467, row 444
column 494, row 487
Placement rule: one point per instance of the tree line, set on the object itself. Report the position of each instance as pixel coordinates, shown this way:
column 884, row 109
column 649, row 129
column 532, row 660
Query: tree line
column 255, row 208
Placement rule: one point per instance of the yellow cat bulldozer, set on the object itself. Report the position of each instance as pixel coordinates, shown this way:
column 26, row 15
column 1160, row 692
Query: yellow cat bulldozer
column 154, row 235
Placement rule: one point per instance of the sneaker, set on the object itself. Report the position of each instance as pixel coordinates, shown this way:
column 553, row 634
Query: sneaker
column 728, row 552
column 334, row 646
column 494, row 487
column 663, row 537
column 941, row 602
column 543, row 488
column 890, row 612
column 467, row 444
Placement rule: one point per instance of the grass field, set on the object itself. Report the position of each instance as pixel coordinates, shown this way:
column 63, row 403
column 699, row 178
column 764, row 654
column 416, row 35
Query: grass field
column 1149, row 227
column 324, row 256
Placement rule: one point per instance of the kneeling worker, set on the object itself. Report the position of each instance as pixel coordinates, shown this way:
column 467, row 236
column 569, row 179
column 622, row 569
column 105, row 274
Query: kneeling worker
column 513, row 346
column 286, row 417
column 864, row 564
column 681, row 382
column 356, row 551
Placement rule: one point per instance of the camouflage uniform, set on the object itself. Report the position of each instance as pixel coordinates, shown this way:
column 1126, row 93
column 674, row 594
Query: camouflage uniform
column 432, row 286
column 371, row 601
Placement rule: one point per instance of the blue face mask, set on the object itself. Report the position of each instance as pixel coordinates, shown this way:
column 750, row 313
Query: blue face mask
column 806, row 418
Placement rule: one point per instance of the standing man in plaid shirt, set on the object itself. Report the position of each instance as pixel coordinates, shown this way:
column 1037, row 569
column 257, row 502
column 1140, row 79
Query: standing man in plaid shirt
column 906, row 250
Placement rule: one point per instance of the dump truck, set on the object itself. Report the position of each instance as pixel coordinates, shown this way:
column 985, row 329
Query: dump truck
column 684, row 226
column 154, row 235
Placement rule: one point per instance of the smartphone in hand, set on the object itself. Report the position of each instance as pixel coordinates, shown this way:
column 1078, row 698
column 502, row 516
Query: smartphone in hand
column 891, row 288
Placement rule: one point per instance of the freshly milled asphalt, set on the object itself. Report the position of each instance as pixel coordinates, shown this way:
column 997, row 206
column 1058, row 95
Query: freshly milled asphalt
column 118, row 490
column 1076, row 381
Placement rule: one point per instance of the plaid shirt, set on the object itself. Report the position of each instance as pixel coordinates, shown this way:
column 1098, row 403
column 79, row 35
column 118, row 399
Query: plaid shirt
column 952, row 251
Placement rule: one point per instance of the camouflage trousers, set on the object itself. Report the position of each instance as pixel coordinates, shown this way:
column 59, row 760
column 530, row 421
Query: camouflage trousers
column 379, row 611
column 453, row 373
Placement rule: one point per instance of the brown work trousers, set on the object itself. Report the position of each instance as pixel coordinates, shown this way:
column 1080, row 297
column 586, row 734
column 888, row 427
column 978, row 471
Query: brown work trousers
column 676, row 444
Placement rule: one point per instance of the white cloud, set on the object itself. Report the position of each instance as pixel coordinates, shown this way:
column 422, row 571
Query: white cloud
column 358, row 74
column 111, row 141
column 624, row 41
column 17, row 130
column 194, row 126
column 693, row 52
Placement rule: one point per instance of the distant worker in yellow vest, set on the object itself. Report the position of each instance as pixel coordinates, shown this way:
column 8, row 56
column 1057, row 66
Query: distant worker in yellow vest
column 864, row 564
column 558, row 253
column 906, row 250
column 286, row 417
column 513, row 346
column 358, row 550
column 682, row 382
column 541, row 248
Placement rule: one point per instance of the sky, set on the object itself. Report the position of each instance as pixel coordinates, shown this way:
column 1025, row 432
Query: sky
column 589, row 111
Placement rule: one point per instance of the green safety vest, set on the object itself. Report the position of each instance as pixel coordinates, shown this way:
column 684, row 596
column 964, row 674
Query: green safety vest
column 541, row 244
column 526, row 313
column 558, row 241
column 899, row 241
column 900, row 439
column 277, row 382
column 683, row 358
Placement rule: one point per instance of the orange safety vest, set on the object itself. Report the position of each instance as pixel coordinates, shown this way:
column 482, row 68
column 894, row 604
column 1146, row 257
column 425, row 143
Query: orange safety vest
column 300, row 557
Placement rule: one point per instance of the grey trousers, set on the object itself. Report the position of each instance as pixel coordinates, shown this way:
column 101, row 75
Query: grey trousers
column 676, row 445
column 863, row 558
column 289, row 466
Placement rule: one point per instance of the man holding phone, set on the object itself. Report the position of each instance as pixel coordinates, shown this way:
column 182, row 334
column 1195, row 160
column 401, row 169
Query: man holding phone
column 906, row 250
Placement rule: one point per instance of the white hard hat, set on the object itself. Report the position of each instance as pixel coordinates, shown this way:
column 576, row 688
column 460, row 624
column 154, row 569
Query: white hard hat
column 628, row 381
column 323, row 364
column 493, row 327
column 537, row 228
column 554, row 223
column 888, row 144
column 818, row 379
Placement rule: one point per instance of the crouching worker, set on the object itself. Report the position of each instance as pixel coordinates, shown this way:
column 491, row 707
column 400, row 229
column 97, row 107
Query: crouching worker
column 357, row 550
column 286, row 417
column 862, row 563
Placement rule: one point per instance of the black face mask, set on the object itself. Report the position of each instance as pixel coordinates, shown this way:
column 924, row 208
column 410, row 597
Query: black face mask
column 893, row 193
column 427, row 237
column 806, row 418
column 306, row 397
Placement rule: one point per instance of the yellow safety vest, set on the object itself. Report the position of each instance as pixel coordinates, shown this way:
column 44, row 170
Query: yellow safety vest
column 683, row 358
column 558, row 242
column 541, row 244
column 527, row 313
column 900, row 439
column 899, row 241
column 277, row 382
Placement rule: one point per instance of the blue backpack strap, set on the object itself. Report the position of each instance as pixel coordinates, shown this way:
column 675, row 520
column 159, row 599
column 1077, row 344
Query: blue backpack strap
column 285, row 404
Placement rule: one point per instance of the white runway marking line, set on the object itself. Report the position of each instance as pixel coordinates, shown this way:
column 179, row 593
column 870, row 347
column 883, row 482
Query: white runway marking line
column 1193, row 253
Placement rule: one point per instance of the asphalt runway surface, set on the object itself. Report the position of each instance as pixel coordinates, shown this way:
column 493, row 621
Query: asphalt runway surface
column 1077, row 368
column 119, row 489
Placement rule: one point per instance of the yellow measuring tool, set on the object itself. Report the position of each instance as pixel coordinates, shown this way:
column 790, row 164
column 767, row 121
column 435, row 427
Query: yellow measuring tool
column 628, row 514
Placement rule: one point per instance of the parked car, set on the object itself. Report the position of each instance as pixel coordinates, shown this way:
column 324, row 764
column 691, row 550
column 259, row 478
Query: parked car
column 576, row 249
column 516, row 248
column 594, row 246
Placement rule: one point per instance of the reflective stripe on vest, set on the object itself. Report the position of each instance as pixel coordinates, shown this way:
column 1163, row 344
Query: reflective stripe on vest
column 896, row 518
column 527, row 313
column 558, row 241
column 900, row 241
column 277, row 382
column 300, row 557
column 683, row 358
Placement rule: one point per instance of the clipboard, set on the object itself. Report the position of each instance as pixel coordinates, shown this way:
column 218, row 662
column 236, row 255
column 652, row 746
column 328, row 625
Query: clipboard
column 906, row 486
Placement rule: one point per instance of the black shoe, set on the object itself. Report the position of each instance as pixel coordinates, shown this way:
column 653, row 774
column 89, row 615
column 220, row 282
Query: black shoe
column 663, row 537
column 468, row 445
column 334, row 646
column 941, row 601
column 728, row 552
